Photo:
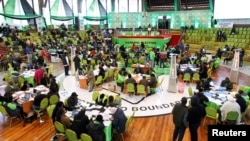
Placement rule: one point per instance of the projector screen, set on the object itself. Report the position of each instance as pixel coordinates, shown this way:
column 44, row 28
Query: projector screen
column 231, row 9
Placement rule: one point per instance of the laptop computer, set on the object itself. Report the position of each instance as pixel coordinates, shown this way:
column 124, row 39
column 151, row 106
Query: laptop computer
column 26, row 97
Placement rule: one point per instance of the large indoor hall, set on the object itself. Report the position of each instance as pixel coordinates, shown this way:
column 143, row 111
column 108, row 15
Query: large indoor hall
column 123, row 70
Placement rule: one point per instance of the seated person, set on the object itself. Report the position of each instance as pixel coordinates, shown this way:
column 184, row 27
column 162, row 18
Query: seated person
column 229, row 57
column 188, row 70
column 96, row 129
column 25, row 86
column 45, row 80
column 200, row 85
column 244, row 95
column 37, row 101
column 120, row 79
column 227, row 84
column 118, row 119
column 80, row 123
column 72, row 102
column 63, row 118
column 138, row 70
column 101, row 100
column 145, row 82
column 111, row 101
column 241, row 101
column 11, row 86
column 208, row 83
column 152, row 81
column 12, row 108
column 130, row 79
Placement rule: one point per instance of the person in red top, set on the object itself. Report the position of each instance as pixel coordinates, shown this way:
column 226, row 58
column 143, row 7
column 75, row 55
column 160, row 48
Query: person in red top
column 133, row 48
column 44, row 54
column 38, row 75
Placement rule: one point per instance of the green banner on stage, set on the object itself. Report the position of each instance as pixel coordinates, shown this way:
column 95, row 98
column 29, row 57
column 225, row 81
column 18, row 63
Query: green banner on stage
column 148, row 42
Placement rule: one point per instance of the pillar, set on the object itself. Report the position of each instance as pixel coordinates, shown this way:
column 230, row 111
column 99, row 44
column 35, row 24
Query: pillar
column 172, row 83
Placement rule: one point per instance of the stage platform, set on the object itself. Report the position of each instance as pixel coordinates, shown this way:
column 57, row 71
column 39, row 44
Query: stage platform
column 155, row 39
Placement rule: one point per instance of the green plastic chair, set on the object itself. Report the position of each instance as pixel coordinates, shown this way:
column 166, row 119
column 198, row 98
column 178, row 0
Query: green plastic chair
column 53, row 99
column 187, row 77
column 211, row 113
column 84, row 62
column 66, row 103
column 71, row 135
column 43, row 105
column 50, row 110
column 212, row 105
column 190, row 91
column 95, row 95
column 131, row 88
column 196, row 77
column 5, row 113
column 111, row 74
column 60, row 130
column 99, row 80
column 141, row 89
column 105, row 77
column 231, row 118
column 20, row 81
column 86, row 137
column 242, row 87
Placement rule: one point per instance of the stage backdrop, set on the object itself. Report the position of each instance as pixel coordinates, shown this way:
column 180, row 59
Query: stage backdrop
column 197, row 18
column 148, row 42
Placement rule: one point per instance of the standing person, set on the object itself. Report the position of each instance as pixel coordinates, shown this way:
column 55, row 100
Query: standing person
column 91, row 78
column 149, row 29
column 38, row 75
column 179, row 112
column 77, row 61
column 152, row 57
column 28, row 52
column 194, row 117
column 118, row 119
column 65, row 61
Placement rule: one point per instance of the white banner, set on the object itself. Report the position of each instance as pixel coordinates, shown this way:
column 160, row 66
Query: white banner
column 39, row 24
column 224, row 24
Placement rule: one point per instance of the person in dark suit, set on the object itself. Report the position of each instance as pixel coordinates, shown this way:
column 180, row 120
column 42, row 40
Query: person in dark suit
column 144, row 82
column 118, row 119
column 152, row 81
column 219, row 35
column 80, row 123
column 194, row 117
column 138, row 70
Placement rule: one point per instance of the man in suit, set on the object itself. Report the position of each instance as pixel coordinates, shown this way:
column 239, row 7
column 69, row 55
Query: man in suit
column 219, row 35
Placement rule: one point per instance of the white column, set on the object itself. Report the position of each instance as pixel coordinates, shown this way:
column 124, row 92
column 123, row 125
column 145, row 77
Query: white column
column 235, row 67
column 172, row 83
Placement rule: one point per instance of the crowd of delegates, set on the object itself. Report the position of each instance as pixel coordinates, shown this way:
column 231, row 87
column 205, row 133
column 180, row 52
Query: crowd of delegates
column 94, row 126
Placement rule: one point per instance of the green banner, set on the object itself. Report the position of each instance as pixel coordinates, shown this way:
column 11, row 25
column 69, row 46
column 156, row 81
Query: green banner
column 148, row 42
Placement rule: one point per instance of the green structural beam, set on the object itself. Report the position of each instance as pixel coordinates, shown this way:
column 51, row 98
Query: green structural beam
column 211, row 5
column 176, row 5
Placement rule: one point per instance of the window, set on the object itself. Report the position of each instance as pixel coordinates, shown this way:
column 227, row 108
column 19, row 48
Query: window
column 133, row 6
column 123, row 5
